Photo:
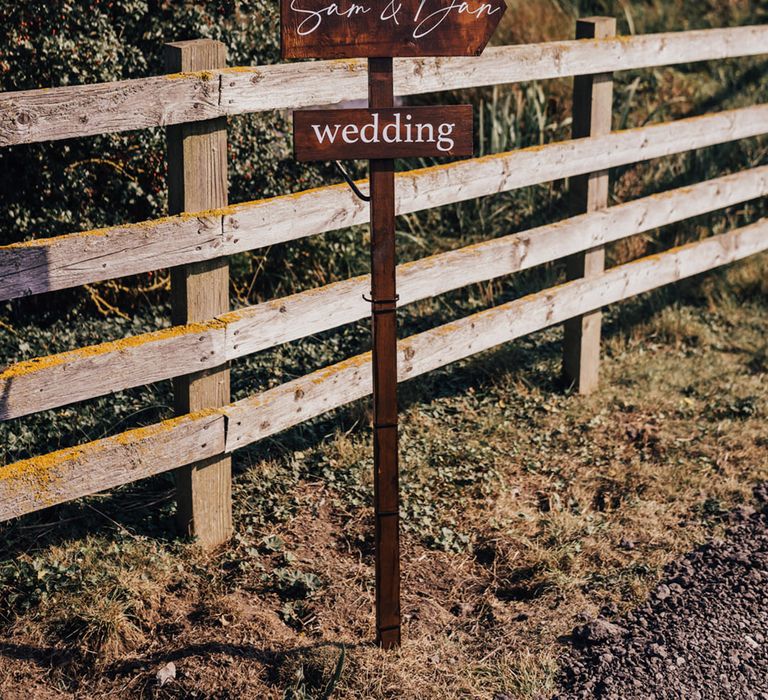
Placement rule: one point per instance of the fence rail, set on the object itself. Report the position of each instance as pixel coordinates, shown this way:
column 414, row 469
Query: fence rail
column 87, row 110
column 75, row 259
column 56, row 380
column 81, row 258
column 40, row 482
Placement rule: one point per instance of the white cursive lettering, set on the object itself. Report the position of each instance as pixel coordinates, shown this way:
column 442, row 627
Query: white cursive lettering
column 434, row 19
column 311, row 23
column 390, row 11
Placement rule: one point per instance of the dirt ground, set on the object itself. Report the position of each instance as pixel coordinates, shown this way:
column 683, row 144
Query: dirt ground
column 700, row 635
column 527, row 511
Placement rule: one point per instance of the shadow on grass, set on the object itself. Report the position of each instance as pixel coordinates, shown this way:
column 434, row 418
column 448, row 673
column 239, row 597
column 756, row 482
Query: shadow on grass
column 273, row 659
column 146, row 509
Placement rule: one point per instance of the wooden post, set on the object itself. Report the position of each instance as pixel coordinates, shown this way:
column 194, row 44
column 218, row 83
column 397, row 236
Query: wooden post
column 197, row 181
column 592, row 112
column 384, row 305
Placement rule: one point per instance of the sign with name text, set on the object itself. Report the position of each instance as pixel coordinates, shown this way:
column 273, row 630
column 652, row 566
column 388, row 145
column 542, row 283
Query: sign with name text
column 381, row 30
column 350, row 134
column 387, row 28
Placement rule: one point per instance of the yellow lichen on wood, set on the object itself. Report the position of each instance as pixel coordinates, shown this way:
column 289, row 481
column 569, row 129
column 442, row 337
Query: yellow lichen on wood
column 92, row 233
column 351, row 64
column 45, row 477
column 208, row 213
column 242, row 69
column 327, row 373
column 40, row 475
column 150, row 225
column 236, row 208
column 39, row 364
column 206, row 75
column 138, row 435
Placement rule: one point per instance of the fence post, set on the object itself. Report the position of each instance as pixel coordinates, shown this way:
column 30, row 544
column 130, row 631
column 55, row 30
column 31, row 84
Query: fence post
column 592, row 112
column 197, row 181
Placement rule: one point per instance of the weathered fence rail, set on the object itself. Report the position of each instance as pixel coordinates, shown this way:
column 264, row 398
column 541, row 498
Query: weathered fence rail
column 61, row 476
column 80, row 258
column 87, row 110
column 75, row 259
column 57, row 380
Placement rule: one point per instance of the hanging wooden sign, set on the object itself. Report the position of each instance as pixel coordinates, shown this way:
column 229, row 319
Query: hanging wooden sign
column 349, row 134
column 387, row 28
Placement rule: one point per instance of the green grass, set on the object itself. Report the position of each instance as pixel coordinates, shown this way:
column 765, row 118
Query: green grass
column 516, row 494
column 518, row 499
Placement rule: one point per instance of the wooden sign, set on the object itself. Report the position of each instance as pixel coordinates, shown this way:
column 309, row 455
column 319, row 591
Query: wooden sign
column 380, row 30
column 350, row 134
column 387, row 28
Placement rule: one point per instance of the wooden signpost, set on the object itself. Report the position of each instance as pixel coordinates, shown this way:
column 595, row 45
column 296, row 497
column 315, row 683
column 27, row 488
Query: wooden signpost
column 387, row 28
column 380, row 30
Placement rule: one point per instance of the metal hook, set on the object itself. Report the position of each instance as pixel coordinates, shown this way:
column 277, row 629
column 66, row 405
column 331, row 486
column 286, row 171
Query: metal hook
column 382, row 301
column 351, row 182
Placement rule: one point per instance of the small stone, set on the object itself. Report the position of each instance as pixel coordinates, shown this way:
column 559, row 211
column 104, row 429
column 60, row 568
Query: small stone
column 166, row 674
column 657, row 650
column 598, row 631
column 662, row 592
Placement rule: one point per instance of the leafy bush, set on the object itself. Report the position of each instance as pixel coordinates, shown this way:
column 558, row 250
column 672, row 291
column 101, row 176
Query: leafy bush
column 58, row 187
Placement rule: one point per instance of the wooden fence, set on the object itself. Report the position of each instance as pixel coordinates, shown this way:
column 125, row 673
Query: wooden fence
column 207, row 336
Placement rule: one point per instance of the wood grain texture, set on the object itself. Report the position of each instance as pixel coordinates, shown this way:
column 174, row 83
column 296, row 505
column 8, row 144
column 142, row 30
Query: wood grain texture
column 70, row 260
column 57, row 380
column 59, row 113
column 197, row 180
column 82, row 258
column 386, row 470
column 54, row 381
column 37, row 483
column 61, row 476
column 255, row 418
column 408, row 132
column 592, row 116
column 31, row 116
column 373, row 29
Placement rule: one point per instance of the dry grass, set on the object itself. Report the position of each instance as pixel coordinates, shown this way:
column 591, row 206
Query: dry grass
column 525, row 509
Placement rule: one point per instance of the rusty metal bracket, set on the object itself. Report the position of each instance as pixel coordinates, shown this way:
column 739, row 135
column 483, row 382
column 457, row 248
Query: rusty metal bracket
column 376, row 311
column 382, row 301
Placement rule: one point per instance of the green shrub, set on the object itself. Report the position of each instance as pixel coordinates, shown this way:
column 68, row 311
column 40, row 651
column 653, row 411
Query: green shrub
column 77, row 184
